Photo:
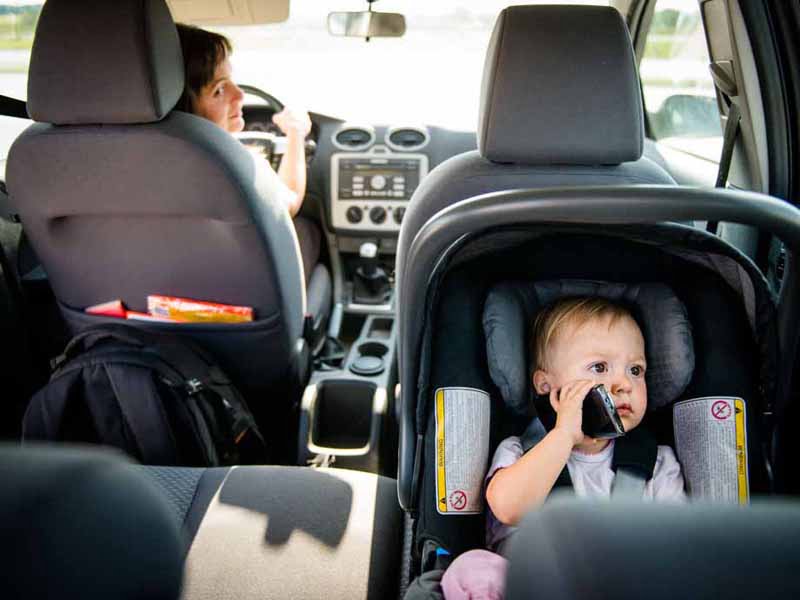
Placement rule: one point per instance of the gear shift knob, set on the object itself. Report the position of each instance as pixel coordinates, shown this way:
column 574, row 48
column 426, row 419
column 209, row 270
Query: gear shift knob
column 368, row 251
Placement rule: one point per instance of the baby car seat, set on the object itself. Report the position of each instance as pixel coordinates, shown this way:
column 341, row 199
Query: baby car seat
column 488, row 264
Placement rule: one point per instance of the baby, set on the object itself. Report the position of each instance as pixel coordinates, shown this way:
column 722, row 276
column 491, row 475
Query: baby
column 576, row 343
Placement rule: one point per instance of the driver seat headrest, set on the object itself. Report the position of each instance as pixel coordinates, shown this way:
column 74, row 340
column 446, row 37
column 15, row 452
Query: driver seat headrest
column 560, row 86
column 101, row 62
column 511, row 308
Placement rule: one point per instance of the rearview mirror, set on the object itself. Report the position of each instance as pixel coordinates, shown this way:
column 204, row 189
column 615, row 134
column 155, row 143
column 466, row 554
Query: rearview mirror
column 366, row 24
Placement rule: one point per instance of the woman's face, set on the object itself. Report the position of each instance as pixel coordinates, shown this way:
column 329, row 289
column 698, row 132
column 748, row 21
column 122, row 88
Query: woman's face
column 221, row 100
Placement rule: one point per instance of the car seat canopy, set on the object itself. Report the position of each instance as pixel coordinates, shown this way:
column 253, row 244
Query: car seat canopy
column 512, row 306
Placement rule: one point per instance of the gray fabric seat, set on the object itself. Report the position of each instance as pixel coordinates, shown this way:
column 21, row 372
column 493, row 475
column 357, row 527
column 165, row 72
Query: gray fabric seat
column 558, row 108
column 122, row 197
column 285, row 532
column 89, row 524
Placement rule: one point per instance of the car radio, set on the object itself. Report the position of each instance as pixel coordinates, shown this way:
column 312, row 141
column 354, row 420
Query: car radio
column 369, row 191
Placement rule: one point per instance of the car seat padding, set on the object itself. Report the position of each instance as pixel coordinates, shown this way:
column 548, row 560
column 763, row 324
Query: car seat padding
column 511, row 307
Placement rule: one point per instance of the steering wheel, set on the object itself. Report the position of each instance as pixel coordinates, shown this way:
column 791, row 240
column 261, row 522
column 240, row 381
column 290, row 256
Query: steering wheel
column 271, row 141
column 271, row 100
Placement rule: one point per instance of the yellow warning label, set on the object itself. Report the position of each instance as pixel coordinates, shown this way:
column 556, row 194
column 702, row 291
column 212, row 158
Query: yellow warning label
column 440, row 469
column 741, row 451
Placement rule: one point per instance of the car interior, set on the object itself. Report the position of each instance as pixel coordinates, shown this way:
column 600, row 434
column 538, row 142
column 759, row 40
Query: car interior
column 646, row 151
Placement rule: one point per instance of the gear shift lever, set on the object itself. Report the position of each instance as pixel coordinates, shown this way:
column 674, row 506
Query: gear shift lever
column 368, row 251
column 371, row 282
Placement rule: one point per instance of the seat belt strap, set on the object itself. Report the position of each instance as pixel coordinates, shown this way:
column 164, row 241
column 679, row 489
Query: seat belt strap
column 533, row 434
column 628, row 484
column 728, row 142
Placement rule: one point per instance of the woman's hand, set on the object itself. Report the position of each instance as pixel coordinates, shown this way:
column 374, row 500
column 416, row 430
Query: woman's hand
column 293, row 121
column 568, row 404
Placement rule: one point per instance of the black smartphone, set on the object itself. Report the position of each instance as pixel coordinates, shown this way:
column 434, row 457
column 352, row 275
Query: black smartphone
column 600, row 417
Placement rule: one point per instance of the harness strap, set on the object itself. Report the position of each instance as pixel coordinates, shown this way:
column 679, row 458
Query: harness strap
column 628, row 484
column 634, row 459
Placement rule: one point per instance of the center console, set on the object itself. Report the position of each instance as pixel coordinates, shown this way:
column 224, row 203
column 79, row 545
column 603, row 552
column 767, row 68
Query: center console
column 348, row 410
column 345, row 416
column 369, row 191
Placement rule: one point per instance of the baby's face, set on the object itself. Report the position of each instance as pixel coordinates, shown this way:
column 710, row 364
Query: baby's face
column 604, row 352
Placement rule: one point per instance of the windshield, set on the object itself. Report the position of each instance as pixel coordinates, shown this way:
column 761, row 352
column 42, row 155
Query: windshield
column 432, row 75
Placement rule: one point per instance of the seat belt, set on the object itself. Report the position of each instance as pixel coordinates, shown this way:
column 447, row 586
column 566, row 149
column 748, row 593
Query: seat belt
column 634, row 460
column 722, row 73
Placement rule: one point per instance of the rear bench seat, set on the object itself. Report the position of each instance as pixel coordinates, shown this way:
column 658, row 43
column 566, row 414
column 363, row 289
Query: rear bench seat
column 280, row 532
column 81, row 523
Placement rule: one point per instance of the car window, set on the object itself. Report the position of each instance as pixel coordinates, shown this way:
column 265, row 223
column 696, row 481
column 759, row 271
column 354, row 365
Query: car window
column 17, row 25
column 679, row 93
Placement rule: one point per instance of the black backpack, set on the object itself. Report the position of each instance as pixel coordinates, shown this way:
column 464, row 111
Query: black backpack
column 154, row 396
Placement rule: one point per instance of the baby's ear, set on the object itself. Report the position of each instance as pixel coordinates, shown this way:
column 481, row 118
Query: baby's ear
column 540, row 382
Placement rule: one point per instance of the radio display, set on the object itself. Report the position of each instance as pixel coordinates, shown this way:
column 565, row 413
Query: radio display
column 378, row 178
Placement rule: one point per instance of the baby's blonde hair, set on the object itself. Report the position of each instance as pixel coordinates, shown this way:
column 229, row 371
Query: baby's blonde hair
column 578, row 311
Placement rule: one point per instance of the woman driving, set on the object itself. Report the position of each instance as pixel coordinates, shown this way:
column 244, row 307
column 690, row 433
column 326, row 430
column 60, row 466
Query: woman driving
column 210, row 92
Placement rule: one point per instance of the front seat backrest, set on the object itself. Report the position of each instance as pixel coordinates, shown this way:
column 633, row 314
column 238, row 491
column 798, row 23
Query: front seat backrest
column 560, row 107
column 122, row 198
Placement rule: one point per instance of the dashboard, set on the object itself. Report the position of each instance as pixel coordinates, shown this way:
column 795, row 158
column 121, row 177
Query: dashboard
column 361, row 176
column 369, row 191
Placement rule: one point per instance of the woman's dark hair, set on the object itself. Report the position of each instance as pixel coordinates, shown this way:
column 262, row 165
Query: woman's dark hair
column 202, row 52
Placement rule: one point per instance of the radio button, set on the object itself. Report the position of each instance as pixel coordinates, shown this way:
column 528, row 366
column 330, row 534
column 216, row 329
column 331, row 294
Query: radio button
column 377, row 215
column 354, row 214
column 378, row 182
column 398, row 214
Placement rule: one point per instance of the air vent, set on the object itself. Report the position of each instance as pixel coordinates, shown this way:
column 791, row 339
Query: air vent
column 354, row 138
column 406, row 138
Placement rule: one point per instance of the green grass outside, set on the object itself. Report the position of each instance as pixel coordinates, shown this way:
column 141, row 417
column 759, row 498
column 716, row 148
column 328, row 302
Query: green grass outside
column 18, row 44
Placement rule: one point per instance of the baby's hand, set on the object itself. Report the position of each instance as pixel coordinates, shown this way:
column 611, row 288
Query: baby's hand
column 568, row 404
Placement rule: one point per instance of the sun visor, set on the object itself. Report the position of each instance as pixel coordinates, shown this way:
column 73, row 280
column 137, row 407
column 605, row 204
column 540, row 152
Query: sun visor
column 234, row 12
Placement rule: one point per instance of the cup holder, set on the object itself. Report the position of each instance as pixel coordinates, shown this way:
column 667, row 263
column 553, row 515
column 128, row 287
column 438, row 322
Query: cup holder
column 369, row 359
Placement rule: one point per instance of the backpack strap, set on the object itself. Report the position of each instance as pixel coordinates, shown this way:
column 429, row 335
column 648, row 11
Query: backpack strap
column 142, row 411
column 91, row 336
column 634, row 461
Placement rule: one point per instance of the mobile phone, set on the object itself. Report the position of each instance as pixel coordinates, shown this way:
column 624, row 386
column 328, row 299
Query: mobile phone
column 600, row 417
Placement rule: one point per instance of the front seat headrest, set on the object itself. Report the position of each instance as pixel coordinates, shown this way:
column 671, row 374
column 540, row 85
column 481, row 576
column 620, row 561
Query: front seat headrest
column 560, row 86
column 95, row 61
column 511, row 308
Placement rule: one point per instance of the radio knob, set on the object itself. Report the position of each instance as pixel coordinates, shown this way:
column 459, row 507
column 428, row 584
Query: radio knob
column 354, row 214
column 398, row 215
column 377, row 215
column 378, row 182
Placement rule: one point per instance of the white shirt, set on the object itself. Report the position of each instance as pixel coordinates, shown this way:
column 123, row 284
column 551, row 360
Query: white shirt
column 592, row 477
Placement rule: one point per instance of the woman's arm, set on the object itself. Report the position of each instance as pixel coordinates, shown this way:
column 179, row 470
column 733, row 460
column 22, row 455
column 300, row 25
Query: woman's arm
column 514, row 490
column 296, row 126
